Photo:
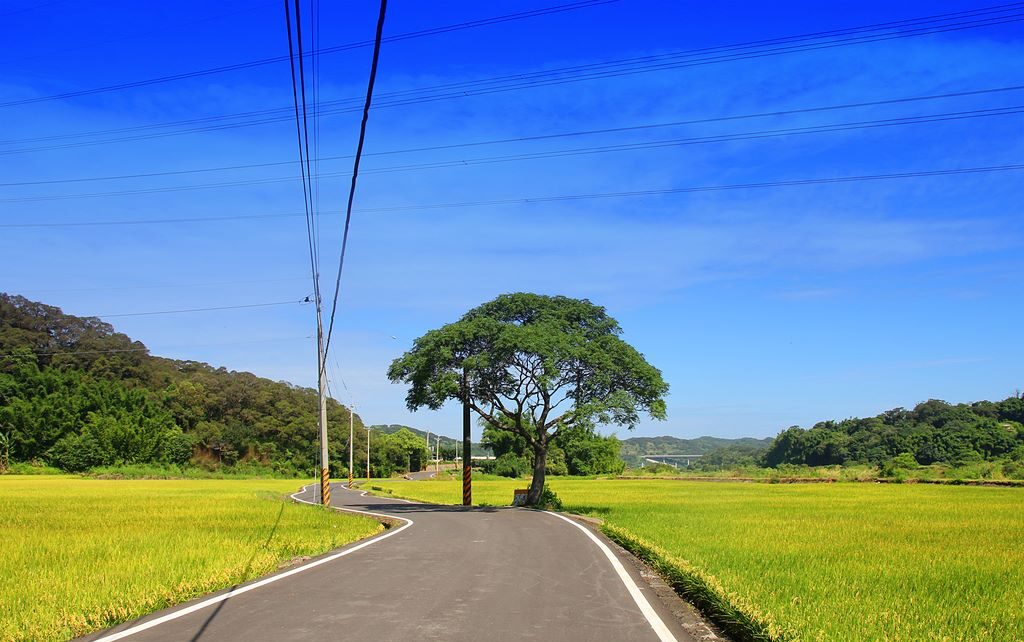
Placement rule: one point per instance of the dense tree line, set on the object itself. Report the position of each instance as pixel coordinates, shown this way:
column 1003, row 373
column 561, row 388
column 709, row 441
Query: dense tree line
column 74, row 393
column 933, row 432
column 576, row 451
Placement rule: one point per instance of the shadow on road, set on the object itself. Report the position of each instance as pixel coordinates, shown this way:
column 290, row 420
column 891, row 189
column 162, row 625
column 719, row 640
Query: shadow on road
column 245, row 573
column 401, row 508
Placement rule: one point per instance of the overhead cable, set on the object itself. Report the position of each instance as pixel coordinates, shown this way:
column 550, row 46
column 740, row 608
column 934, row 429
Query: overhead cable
column 278, row 59
column 568, row 197
column 222, row 307
column 578, row 73
column 355, row 168
column 536, row 137
column 578, row 151
column 72, row 353
column 302, row 136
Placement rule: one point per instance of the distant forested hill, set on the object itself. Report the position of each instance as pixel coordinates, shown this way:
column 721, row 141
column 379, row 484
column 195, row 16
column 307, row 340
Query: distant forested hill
column 447, row 443
column 634, row 448
column 933, row 432
column 76, row 394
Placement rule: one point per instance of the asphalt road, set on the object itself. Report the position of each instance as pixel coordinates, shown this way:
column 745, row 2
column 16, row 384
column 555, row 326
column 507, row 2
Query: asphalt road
column 423, row 474
column 440, row 573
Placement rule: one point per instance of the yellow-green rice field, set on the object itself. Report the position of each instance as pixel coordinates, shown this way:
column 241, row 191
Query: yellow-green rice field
column 78, row 555
column 817, row 562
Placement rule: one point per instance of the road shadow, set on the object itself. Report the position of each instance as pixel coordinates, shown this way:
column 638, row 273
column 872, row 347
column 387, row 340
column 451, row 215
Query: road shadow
column 589, row 510
column 248, row 567
column 403, row 508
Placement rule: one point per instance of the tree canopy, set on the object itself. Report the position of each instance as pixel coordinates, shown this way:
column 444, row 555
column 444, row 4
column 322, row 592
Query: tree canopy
column 536, row 366
column 932, row 432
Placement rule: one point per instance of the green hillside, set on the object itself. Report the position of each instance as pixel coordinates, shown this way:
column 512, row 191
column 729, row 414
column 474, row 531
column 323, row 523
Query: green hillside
column 77, row 394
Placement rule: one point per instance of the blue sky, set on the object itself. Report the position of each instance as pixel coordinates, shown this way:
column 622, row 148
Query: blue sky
column 764, row 307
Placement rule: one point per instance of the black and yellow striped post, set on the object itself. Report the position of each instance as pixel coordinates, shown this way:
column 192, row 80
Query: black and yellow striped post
column 467, row 445
column 325, row 486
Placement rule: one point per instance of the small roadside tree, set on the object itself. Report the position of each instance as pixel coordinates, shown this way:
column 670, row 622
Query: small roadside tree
column 5, row 451
column 534, row 365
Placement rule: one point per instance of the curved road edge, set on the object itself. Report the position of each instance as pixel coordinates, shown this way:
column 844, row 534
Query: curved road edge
column 186, row 608
column 657, row 601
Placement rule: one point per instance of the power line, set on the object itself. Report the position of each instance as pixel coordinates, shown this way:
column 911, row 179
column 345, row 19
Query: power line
column 703, row 188
column 312, row 237
column 165, row 286
column 538, row 137
column 579, row 151
column 302, row 136
column 76, row 352
column 315, row 61
column 607, row 69
column 177, row 347
column 278, row 59
column 736, row 51
column 313, row 181
column 355, row 167
column 156, row 221
column 222, row 307
column 705, row 120
column 308, row 182
column 34, row 7
column 163, row 29
column 701, row 140
column 572, row 197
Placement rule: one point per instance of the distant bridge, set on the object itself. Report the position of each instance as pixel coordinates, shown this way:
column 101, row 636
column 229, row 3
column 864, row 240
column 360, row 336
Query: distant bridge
column 671, row 460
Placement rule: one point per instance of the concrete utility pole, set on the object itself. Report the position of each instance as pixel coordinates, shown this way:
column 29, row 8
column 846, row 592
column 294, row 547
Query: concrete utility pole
column 437, row 455
column 367, row 454
column 325, row 473
column 351, row 440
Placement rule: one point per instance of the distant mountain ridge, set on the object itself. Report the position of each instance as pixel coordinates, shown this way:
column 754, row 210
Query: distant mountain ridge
column 635, row 448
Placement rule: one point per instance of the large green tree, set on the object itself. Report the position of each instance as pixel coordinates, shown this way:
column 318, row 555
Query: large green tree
column 535, row 365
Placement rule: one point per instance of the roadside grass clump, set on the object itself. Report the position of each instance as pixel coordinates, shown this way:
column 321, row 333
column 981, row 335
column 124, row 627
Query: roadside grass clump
column 80, row 555
column 549, row 500
column 814, row 562
column 30, row 468
column 241, row 470
column 739, row 619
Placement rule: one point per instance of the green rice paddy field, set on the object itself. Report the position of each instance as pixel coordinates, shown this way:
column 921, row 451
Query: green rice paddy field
column 817, row 562
column 78, row 555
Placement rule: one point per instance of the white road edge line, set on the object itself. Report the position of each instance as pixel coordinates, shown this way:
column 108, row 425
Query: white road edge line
column 366, row 493
column 645, row 607
column 270, row 580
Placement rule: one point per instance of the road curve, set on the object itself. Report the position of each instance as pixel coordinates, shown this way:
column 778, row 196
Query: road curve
column 423, row 474
column 452, row 575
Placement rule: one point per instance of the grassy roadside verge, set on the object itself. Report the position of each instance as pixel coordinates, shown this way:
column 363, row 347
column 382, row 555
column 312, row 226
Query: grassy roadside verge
column 734, row 615
column 813, row 562
column 80, row 555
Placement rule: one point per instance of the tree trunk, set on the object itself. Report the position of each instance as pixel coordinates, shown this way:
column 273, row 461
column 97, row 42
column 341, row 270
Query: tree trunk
column 540, row 461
